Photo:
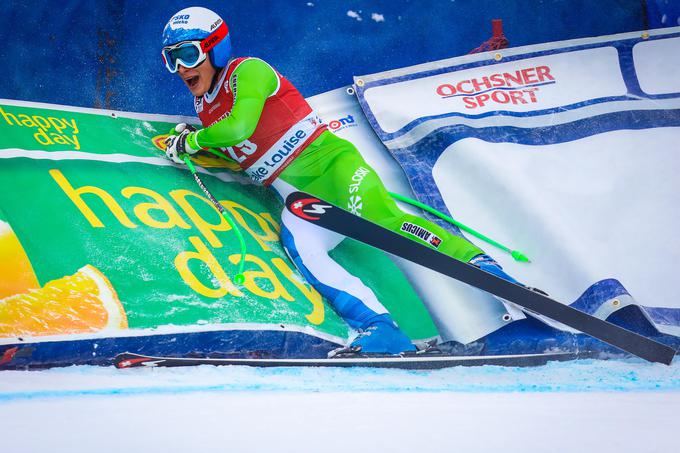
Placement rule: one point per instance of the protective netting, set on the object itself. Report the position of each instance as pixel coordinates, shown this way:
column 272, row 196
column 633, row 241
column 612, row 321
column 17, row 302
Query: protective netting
column 497, row 40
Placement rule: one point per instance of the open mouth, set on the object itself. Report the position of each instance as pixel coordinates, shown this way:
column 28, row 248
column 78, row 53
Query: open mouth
column 191, row 81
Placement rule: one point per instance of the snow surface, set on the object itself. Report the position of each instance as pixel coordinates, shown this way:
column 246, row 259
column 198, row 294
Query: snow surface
column 622, row 405
column 581, row 406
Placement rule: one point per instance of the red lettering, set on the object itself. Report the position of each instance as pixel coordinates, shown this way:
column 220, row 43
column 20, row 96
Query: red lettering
column 446, row 90
column 497, row 80
column 460, row 87
column 509, row 78
column 482, row 98
column 500, row 97
column 469, row 102
column 544, row 73
column 478, row 86
column 528, row 74
column 532, row 94
column 506, row 79
column 517, row 97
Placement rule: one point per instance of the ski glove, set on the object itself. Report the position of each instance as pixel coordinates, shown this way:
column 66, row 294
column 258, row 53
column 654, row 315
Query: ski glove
column 181, row 127
column 182, row 141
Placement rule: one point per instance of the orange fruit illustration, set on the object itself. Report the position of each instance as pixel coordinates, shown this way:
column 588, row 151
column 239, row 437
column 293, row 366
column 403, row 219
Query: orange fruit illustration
column 81, row 303
column 16, row 272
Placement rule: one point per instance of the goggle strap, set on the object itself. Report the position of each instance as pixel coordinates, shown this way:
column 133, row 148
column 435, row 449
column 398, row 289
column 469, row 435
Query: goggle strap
column 211, row 41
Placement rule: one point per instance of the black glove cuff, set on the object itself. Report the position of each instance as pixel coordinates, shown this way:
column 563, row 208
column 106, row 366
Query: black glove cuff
column 182, row 143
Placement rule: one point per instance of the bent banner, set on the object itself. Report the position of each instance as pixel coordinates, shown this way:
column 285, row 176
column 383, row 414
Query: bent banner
column 102, row 237
column 567, row 151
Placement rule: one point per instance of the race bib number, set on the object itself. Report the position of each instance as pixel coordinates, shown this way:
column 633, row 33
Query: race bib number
column 241, row 151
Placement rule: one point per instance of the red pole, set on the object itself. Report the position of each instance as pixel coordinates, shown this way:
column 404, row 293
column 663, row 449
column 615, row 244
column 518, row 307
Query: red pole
column 497, row 27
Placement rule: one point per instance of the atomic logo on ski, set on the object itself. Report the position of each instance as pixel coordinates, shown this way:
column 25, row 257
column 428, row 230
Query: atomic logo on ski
column 302, row 208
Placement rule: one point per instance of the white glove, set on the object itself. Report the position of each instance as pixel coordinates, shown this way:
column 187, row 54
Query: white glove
column 181, row 127
column 178, row 145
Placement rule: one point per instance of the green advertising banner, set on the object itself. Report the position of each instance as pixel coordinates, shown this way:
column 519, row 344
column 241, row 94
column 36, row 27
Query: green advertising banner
column 99, row 231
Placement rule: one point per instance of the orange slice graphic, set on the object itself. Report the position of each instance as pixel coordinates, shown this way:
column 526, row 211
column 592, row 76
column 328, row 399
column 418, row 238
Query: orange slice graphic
column 16, row 272
column 81, row 303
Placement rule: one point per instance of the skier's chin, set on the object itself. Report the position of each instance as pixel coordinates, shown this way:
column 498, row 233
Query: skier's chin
column 196, row 85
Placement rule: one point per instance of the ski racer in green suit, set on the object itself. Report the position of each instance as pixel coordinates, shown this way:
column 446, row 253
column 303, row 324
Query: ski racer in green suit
column 258, row 118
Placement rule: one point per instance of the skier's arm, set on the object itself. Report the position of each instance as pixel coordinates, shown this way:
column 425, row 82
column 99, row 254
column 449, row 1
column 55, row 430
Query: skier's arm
column 252, row 83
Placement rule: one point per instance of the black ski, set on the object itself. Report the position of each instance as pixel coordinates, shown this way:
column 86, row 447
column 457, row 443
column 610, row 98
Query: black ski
column 326, row 215
column 409, row 362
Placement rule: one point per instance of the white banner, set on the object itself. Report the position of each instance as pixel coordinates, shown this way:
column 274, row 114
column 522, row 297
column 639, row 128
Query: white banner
column 566, row 151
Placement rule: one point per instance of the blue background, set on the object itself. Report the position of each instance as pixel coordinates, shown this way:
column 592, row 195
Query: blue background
column 106, row 53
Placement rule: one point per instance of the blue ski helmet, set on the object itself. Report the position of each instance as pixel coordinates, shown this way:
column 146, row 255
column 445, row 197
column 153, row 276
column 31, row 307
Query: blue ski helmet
column 196, row 24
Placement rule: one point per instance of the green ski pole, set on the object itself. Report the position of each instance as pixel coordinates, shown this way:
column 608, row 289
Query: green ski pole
column 517, row 255
column 239, row 279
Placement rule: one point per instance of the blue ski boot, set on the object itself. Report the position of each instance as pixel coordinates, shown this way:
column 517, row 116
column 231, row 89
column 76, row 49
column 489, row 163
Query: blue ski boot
column 488, row 264
column 381, row 335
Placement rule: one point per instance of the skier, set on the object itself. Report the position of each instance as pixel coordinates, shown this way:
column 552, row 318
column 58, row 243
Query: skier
column 257, row 117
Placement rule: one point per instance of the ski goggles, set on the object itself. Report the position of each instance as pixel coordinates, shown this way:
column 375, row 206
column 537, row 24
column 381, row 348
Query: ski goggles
column 192, row 53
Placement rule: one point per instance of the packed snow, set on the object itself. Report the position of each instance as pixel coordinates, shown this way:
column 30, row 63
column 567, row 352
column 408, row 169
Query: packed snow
column 617, row 405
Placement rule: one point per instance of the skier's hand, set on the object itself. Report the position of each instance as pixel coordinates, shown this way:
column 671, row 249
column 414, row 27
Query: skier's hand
column 184, row 143
column 181, row 127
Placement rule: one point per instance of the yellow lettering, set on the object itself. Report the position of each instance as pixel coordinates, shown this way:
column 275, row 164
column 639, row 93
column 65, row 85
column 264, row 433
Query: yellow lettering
column 268, row 217
column 8, row 116
column 174, row 219
column 56, row 123
column 73, row 141
column 267, row 233
column 316, row 317
column 71, row 123
column 207, row 229
column 76, row 197
column 204, row 255
column 40, row 121
column 42, row 138
column 26, row 120
column 266, row 273
column 59, row 139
